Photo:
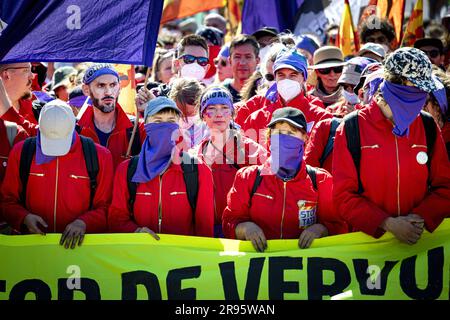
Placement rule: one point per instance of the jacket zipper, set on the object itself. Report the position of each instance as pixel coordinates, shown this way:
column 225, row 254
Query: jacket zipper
column 160, row 205
column 263, row 195
column 398, row 177
column 284, row 207
column 56, row 195
column 144, row 193
column 370, row 147
column 78, row 177
column 36, row 174
column 418, row 146
column 177, row 192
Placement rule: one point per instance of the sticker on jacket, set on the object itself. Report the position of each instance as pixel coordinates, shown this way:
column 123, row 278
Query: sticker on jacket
column 306, row 213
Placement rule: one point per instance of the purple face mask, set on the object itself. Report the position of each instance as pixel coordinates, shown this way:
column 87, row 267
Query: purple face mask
column 405, row 103
column 41, row 158
column 287, row 155
column 156, row 151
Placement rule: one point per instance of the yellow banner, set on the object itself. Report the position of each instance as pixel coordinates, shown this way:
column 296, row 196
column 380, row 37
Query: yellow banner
column 135, row 266
column 127, row 87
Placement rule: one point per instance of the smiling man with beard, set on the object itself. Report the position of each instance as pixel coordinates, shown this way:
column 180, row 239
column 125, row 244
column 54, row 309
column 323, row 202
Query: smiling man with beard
column 105, row 121
column 16, row 106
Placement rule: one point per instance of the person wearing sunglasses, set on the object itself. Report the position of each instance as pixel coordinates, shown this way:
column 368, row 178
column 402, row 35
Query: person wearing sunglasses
column 225, row 151
column 328, row 65
column 191, row 59
column 279, row 199
column 434, row 49
column 15, row 102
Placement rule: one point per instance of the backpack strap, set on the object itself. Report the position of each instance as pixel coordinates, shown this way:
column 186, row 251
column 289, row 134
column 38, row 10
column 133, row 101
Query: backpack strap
column 91, row 160
column 431, row 135
column 26, row 158
column 11, row 131
column 312, row 175
column 190, row 175
column 78, row 128
column 351, row 128
column 132, row 186
column 330, row 142
column 257, row 182
column 136, row 146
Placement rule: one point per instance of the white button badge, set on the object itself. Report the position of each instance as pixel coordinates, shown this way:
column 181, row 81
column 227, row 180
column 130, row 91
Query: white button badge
column 422, row 157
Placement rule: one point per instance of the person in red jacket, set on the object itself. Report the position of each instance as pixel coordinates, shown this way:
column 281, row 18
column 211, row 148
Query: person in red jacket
column 105, row 122
column 285, row 204
column 290, row 69
column 161, row 203
column 403, row 187
column 225, row 151
column 15, row 95
column 57, row 198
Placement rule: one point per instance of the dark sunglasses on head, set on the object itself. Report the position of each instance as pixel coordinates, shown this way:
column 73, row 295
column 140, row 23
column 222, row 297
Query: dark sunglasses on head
column 223, row 63
column 328, row 70
column 188, row 59
column 269, row 77
column 431, row 53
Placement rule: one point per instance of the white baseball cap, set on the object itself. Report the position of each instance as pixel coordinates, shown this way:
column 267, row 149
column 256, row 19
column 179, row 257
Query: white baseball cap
column 56, row 126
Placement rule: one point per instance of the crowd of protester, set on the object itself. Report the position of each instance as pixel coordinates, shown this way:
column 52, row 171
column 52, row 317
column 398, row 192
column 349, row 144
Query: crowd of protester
column 265, row 136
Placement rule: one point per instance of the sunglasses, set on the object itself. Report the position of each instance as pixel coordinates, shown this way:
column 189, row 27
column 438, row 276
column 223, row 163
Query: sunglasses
column 269, row 77
column 434, row 53
column 328, row 70
column 188, row 59
column 223, row 63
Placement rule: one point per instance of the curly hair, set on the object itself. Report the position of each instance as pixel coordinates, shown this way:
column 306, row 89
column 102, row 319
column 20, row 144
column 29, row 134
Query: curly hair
column 374, row 24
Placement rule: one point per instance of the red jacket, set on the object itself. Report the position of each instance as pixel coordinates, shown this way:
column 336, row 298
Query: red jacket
column 24, row 117
column 118, row 140
column 166, row 194
column 394, row 182
column 59, row 191
column 316, row 145
column 224, row 172
column 275, row 205
column 257, row 122
column 5, row 148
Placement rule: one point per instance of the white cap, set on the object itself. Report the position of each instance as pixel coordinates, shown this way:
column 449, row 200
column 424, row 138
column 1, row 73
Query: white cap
column 56, row 126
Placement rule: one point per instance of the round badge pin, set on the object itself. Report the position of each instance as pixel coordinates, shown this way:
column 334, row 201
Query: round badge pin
column 5, row 164
column 422, row 157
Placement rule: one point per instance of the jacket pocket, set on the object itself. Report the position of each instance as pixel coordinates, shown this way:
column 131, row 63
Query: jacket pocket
column 263, row 195
column 78, row 177
column 143, row 193
column 37, row 174
column 176, row 193
column 375, row 146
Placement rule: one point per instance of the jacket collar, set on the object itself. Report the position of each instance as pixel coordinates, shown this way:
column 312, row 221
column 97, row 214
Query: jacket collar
column 122, row 120
column 266, row 169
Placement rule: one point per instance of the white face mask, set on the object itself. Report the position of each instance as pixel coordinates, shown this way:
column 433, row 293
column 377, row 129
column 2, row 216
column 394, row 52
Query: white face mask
column 193, row 70
column 288, row 89
column 263, row 52
column 350, row 97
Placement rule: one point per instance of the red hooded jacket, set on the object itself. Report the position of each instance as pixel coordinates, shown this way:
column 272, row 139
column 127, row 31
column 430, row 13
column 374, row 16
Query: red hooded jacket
column 25, row 117
column 394, row 182
column 118, row 140
column 245, row 153
column 162, row 204
column 59, row 191
column 5, row 147
column 275, row 206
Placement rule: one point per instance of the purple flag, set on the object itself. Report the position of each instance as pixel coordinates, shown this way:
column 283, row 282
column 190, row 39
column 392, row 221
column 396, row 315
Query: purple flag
column 79, row 30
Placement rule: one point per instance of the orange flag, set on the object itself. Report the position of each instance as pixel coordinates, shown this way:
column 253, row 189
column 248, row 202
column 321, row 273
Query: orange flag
column 394, row 10
column 176, row 9
column 233, row 13
column 414, row 30
column 347, row 39
column 127, row 87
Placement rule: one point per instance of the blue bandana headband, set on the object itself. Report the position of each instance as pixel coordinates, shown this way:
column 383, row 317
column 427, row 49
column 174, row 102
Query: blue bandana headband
column 97, row 70
column 216, row 96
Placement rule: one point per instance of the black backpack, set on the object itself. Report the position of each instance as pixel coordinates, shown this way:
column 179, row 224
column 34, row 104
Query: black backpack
column 135, row 147
column 351, row 128
column 90, row 158
column 335, row 122
column 190, row 175
column 310, row 170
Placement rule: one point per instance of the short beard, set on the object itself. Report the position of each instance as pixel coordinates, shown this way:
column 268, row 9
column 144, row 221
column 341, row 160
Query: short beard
column 26, row 95
column 103, row 108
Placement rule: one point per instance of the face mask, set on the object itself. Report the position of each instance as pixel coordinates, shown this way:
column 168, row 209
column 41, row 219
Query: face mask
column 287, row 155
column 263, row 53
column 193, row 70
column 156, row 151
column 350, row 97
column 405, row 103
column 288, row 89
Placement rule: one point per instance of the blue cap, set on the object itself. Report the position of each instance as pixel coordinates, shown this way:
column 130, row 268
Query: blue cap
column 291, row 59
column 224, row 51
column 307, row 43
column 159, row 103
column 97, row 70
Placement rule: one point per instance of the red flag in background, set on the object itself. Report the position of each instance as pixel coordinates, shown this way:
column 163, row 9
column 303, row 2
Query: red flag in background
column 347, row 38
column 176, row 9
column 394, row 11
column 414, row 30
column 233, row 15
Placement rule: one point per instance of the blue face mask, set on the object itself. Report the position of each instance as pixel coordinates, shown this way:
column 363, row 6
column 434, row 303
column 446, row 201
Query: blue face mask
column 156, row 151
column 287, row 155
column 405, row 103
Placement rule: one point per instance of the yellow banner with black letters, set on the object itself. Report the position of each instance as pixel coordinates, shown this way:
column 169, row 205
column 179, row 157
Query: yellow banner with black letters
column 136, row 266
